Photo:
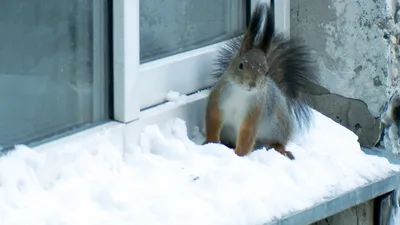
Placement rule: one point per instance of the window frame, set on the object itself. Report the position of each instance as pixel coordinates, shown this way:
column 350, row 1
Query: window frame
column 133, row 81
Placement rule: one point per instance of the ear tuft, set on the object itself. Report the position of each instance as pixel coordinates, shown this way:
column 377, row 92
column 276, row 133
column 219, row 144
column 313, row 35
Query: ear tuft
column 253, row 28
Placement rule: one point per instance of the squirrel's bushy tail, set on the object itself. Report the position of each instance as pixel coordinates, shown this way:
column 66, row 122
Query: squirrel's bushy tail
column 290, row 62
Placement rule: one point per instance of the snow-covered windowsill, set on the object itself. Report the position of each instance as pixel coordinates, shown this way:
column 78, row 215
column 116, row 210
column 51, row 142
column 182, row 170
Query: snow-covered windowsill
column 143, row 173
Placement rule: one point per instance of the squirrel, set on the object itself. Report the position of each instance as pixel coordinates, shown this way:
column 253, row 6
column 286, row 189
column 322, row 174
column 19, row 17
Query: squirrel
column 256, row 101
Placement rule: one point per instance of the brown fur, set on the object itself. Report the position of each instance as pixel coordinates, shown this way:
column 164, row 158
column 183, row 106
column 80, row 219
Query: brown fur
column 281, row 149
column 247, row 132
column 213, row 119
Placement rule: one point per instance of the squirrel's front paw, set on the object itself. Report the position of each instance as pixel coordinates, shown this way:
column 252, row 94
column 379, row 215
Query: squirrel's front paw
column 241, row 152
column 205, row 142
column 210, row 141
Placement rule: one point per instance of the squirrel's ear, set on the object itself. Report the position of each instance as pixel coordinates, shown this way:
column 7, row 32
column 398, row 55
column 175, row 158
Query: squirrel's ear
column 253, row 28
column 269, row 27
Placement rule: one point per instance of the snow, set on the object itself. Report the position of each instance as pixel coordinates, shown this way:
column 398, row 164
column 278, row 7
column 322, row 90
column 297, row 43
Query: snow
column 172, row 96
column 169, row 179
column 176, row 97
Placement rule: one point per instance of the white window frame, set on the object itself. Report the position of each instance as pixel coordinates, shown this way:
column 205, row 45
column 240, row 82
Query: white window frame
column 183, row 72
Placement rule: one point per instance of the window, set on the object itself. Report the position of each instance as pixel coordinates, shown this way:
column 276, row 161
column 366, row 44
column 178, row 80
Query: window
column 54, row 68
column 168, row 27
column 174, row 26
column 164, row 45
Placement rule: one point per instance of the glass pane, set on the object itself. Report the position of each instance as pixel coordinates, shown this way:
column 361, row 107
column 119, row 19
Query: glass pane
column 168, row 27
column 53, row 68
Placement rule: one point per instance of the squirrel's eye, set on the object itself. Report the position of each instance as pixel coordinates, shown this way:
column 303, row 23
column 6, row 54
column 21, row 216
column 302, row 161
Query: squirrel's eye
column 241, row 66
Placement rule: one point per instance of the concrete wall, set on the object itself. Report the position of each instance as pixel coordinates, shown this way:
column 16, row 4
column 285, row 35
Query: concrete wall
column 356, row 48
column 351, row 49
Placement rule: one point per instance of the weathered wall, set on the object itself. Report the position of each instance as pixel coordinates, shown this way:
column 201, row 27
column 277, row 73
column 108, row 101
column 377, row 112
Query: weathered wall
column 349, row 44
column 356, row 46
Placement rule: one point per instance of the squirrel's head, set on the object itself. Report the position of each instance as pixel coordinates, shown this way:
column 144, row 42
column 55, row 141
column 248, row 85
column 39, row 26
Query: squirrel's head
column 249, row 70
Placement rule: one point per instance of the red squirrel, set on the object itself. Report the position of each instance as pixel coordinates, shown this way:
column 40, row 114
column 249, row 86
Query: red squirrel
column 256, row 101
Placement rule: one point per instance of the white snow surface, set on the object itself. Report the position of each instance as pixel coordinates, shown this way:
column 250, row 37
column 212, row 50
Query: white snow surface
column 175, row 97
column 172, row 96
column 170, row 180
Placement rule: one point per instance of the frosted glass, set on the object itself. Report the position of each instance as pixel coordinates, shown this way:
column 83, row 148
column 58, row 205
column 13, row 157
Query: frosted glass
column 168, row 27
column 53, row 69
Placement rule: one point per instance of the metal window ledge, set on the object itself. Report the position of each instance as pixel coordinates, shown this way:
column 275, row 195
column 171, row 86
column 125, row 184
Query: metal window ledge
column 352, row 198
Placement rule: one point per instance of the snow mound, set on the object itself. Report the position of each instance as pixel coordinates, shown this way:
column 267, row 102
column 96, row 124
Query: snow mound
column 168, row 179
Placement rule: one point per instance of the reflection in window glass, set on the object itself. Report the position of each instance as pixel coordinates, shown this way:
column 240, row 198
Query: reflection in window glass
column 53, row 68
column 168, row 27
